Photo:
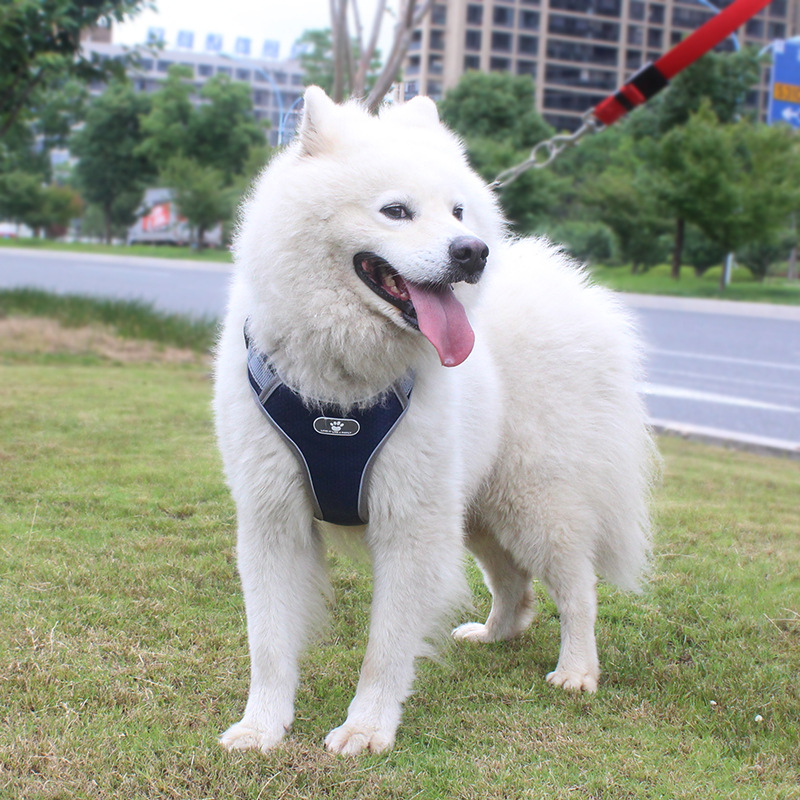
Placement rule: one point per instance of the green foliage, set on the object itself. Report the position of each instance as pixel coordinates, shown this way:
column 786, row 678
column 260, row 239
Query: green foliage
column 40, row 48
column 129, row 319
column 700, row 252
column 110, row 171
column 317, row 60
column 199, row 192
column 497, row 106
column 590, row 242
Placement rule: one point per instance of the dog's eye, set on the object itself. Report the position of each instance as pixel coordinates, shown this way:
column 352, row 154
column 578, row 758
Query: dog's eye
column 396, row 211
column 458, row 212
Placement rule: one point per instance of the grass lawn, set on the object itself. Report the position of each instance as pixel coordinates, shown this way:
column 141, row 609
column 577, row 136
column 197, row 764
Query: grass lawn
column 122, row 636
column 658, row 281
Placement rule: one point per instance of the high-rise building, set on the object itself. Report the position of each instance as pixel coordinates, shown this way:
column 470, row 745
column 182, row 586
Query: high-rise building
column 577, row 51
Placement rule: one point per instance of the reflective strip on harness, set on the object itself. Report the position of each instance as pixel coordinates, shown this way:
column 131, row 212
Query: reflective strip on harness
column 336, row 450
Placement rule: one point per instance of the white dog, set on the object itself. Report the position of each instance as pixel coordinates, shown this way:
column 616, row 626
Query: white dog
column 358, row 261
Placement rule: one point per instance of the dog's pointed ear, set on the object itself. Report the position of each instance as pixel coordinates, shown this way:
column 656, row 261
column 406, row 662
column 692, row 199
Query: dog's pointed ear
column 318, row 112
column 420, row 111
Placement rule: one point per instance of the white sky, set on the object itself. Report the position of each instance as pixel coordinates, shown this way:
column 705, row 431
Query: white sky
column 257, row 20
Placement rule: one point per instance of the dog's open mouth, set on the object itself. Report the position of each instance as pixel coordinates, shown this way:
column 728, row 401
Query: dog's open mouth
column 432, row 309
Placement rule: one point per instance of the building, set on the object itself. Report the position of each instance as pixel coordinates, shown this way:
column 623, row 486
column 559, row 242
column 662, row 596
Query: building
column 276, row 85
column 577, row 51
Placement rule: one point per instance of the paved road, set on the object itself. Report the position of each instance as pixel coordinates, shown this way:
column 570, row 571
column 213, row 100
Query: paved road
column 732, row 367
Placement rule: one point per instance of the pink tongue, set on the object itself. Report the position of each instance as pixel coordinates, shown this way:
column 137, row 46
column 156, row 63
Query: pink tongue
column 443, row 321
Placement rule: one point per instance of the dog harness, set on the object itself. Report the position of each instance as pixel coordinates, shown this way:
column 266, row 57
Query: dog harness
column 336, row 451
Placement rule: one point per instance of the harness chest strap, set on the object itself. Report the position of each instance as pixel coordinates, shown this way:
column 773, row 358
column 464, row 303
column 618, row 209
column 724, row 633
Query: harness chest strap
column 335, row 451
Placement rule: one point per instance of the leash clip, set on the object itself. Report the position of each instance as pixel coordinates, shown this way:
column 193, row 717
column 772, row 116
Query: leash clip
column 546, row 151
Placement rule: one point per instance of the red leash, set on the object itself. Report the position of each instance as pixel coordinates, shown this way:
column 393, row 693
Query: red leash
column 648, row 81
column 653, row 77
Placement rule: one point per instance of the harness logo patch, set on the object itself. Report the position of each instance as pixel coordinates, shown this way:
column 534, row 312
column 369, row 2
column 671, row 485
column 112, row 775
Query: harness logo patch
column 333, row 426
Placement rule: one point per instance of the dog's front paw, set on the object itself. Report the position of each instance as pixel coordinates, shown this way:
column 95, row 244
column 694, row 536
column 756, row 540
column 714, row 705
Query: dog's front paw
column 473, row 632
column 575, row 680
column 351, row 739
column 246, row 736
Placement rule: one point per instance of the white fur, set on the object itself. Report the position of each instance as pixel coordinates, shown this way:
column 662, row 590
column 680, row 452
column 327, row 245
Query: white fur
column 535, row 448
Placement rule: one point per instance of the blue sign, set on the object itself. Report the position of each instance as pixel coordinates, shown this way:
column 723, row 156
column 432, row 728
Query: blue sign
column 213, row 43
column 242, row 47
column 784, row 90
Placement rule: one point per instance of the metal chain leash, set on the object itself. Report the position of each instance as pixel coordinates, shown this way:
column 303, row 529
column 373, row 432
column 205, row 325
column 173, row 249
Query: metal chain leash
column 546, row 151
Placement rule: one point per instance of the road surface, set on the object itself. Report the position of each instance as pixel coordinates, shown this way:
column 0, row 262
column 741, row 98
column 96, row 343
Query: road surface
column 731, row 367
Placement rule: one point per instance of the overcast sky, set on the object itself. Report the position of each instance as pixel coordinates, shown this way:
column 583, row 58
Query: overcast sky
column 257, row 20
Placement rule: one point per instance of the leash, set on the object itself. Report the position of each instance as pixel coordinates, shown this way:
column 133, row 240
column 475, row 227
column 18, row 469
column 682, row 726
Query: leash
column 647, row 82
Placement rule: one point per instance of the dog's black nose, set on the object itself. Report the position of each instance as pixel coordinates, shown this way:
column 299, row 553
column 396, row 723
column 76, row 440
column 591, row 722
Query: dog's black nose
column 468, row 253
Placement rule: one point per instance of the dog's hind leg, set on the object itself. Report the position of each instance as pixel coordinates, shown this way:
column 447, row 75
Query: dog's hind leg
column 417, row 578
column 284, row 581
column 513, row 600
column 571, row 583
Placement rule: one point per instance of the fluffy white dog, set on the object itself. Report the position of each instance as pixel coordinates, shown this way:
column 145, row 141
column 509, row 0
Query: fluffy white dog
column 369, row 258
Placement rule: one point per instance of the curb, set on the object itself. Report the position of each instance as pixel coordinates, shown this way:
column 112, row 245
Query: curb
column 732, row 440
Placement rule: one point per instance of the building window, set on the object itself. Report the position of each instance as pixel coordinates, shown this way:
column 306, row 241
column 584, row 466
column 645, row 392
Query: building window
column 472, row 62
column 205, row 70
column 633, row 59
column 146, row 64
column 776, row 30
column 656, row 16
column 473, row 40
column 528, row 45
column 584, row 53
column 755, row 27
column 777, row 8
column 636, row 10
column 163, row 66
column 437, row 40
column 224, row 71
column 579, row 76
column 529, row 20
column 689, row 17
column 435, row 90
column 416, row 40
column 474, row 15
column 500, row 64
column 261, row 97
column 503, row 15
column 655, row 37
column 569, row 101
column 676, row 37
column 635, row 34
column 439, row 15
column 526, row 67
column 583, row 27
column 609, row 8
column 280, row 77
column 412, row 67
column 243, row 75
column 435, row 65
column 502, row 42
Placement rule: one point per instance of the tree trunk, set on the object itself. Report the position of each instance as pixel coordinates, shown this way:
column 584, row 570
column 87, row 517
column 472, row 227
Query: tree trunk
column 677, row 250
column 107, row 218
column 791, row 273
column 635, row 267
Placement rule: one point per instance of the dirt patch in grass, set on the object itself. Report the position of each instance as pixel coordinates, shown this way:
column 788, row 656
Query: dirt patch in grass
column 20, row 336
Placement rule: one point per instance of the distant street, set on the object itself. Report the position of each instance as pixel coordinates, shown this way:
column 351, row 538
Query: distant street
column 724, row 365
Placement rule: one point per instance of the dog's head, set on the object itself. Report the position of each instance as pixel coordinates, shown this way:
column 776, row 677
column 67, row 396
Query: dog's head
column 389, row 211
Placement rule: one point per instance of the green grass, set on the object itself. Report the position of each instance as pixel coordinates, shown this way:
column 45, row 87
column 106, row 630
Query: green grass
column 658, row 281
column 149, row 251
column 129, row 319
column 123, row 650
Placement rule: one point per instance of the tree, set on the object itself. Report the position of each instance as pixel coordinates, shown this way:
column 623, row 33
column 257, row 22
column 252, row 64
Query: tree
column 199, row 194
column 350, row 72
column 317, row 58
column 736, row 183
column 218, row 132
column 20, row 196
column 40, row 43
column 111, row 170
